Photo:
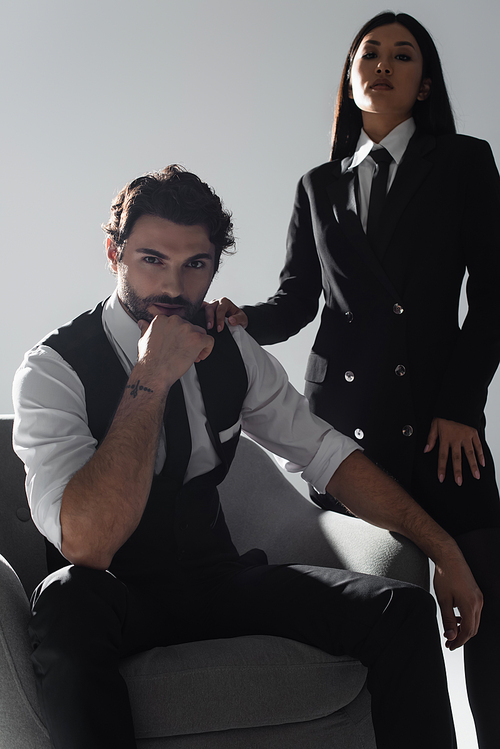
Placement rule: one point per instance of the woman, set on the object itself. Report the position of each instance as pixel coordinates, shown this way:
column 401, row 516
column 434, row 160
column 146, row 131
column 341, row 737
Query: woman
column 390, row 366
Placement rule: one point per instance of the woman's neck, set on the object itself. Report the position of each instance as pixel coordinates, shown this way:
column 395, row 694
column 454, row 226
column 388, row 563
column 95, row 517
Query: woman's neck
column 377, row 126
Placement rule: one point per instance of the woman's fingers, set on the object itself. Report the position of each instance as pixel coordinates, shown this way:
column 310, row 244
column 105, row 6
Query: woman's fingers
column 453, row 438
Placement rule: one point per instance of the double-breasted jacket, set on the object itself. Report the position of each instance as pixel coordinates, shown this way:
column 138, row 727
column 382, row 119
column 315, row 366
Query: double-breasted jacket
column 390, row 353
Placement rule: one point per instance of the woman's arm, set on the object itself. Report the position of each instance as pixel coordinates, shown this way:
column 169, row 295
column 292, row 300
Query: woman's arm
column 295, row 303
column 460, row 404
column 476, row 354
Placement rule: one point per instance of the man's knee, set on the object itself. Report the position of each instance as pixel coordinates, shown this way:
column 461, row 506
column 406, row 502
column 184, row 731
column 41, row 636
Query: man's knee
column 78, row 583
column 413, row 608
column 77, row 599
column 416, row 598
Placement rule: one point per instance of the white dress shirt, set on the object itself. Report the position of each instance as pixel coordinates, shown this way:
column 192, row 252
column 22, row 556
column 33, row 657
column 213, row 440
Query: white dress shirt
column 396, row 142
column 52, row 437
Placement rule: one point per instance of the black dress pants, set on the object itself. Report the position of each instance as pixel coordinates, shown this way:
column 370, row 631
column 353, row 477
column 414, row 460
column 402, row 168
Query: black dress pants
column 85, row 620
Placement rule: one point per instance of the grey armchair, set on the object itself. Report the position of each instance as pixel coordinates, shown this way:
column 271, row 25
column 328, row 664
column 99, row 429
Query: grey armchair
column 259, row 692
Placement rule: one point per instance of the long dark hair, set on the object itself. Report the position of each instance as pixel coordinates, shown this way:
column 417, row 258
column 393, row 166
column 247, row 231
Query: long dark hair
column 433, row 115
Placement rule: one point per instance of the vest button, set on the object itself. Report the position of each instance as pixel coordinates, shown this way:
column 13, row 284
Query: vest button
column 359, row 434
column 397, row 309
column 23, row 514
column 407, row 430
column 400, row 370
column 349, row 316
column 349, row 375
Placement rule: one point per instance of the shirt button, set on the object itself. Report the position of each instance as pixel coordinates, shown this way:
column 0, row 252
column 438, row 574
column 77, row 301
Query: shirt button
column 400, row 370
column 349, row 376
column 348, row 316
column 359, row 434
column 407, row 430
column 397, row 309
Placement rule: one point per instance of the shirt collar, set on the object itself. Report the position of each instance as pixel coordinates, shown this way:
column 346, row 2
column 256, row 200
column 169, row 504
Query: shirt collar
column 124, row 331
column 396, row 142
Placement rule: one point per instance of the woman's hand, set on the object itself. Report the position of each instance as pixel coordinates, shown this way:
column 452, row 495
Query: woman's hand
column 218, row 309
column 452, row 438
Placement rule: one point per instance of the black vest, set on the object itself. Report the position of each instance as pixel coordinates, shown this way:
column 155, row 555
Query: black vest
column 182, row 528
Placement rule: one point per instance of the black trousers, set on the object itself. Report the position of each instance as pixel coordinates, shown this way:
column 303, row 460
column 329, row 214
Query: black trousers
column 85, row 620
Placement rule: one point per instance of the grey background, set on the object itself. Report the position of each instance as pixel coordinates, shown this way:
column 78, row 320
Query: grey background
column 241, row 92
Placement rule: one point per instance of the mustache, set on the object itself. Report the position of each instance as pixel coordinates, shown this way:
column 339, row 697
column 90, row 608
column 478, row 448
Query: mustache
column 166, row 299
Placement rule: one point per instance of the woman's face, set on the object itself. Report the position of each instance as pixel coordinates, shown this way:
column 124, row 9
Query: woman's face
column 386, row 76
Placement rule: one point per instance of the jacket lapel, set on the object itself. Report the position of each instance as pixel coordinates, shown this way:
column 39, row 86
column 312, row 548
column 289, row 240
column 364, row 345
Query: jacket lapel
column 342, row 194
column 412, row 171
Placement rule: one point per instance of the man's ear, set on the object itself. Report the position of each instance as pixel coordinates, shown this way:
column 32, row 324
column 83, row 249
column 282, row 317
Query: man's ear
column 112, row 254
column 425, row 89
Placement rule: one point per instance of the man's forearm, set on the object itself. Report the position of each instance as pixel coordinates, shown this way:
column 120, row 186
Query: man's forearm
column 372, row 495
column 104, row 501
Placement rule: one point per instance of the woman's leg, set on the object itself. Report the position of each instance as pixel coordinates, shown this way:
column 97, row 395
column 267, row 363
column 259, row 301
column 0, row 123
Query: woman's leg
column 481, row 549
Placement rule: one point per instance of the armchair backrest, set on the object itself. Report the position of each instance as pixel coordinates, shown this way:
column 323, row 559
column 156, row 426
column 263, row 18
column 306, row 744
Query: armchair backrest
column 20, row 542
column 262, row 510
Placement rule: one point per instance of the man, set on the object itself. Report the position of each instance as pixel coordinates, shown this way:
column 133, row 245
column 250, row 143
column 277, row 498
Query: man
column 127, row 419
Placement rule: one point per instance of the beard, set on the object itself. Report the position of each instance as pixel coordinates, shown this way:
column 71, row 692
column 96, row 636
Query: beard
column 137, row 306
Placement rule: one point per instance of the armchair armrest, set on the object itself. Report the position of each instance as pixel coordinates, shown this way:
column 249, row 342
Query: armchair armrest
column 20, row 724
column 264, row 510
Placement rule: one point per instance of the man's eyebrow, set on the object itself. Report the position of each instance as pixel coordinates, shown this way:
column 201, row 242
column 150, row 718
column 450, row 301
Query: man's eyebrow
column 162, row 256
column 146, row 251
column 396, row 44
column 201, row 256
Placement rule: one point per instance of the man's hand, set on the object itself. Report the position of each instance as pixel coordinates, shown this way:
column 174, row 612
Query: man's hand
column 456, row 588
column 452, row 438
column 218, row 309
column 169, row 345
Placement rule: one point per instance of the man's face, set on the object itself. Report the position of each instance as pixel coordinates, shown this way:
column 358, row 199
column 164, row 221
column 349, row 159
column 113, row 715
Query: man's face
column 165, row 268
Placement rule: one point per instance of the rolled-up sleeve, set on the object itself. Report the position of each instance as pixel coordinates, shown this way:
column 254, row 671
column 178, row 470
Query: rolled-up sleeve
column 51, row 433
column 277, row 417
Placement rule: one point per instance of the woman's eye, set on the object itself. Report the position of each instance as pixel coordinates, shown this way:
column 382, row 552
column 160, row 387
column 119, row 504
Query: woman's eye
column 369, row 55
column 403, row 57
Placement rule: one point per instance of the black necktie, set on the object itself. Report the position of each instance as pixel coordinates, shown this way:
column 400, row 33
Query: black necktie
column 177, row 437
column 378, row 191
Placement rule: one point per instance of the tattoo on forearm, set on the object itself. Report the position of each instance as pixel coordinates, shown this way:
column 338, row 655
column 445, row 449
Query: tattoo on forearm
column 136, row 387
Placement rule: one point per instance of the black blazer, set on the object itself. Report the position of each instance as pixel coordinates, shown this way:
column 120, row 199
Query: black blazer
column 389, row 354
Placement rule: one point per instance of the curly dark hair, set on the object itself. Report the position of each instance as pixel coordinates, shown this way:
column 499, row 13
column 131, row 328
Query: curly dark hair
column 174, row 194
column 434, row 115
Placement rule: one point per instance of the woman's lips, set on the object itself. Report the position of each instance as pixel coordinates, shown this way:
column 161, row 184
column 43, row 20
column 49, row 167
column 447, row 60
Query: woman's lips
column 382, row 85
